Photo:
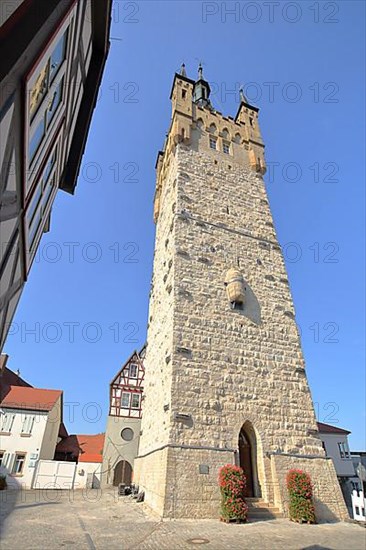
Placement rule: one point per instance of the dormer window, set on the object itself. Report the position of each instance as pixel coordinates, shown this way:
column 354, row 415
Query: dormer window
column 213, row 143
column 226, row 147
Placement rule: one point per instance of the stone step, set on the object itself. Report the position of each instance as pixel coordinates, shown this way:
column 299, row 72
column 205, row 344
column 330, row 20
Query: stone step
column 259, row 509
column 264, row 512
column 255, row 503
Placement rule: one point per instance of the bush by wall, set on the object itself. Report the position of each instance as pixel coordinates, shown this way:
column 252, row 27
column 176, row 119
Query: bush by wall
column 300, row 491
column 232, row 484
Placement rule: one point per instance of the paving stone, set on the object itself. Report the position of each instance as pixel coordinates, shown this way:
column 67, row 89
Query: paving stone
column 97, row 520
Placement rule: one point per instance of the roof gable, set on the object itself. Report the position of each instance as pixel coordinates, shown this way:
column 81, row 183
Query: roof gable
column 135, row 357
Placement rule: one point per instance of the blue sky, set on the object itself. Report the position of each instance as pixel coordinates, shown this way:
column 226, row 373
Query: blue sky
column 303, row 65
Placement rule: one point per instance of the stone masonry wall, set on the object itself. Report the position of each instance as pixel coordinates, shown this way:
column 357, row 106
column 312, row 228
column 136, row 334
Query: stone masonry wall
column 328, row 499
column 238, row 365
column 155, row 423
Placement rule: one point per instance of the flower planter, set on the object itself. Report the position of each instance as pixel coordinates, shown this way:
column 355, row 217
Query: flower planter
column 300, row 491
column 232, row 484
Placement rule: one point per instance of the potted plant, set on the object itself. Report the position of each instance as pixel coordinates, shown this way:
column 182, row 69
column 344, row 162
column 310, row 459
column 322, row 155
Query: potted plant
column 300, row 491
column 232, row 483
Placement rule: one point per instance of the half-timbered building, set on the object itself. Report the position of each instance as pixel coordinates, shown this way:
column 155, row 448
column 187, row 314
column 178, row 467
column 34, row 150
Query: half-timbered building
column 52, row 59
column 124, row 420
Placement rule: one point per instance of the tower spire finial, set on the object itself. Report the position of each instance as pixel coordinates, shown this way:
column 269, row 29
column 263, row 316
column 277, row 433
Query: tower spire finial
column 183, row 70
column 200, row 71
column 242, row 96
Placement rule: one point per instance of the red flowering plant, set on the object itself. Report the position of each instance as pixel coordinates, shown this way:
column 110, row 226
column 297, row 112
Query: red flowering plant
column 232, row 484
column 300, row 491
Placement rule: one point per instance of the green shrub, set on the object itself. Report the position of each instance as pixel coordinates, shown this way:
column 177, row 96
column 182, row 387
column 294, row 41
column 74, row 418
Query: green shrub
column 232, row 483
column 300, row 491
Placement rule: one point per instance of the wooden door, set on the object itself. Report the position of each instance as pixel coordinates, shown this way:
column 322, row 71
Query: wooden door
column 245, row 453
column 122, row 473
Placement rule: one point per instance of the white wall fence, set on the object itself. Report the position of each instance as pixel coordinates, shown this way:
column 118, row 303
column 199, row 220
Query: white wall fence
column 54, row 474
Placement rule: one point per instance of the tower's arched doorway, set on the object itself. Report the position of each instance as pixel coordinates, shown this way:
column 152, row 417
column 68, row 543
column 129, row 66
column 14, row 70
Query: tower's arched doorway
column 248, row 459
column 122, row 473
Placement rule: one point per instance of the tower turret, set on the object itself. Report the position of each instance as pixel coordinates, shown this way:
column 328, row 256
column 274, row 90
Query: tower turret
column 201, row 90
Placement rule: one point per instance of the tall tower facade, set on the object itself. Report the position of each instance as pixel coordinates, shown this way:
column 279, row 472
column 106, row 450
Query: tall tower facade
column 225, row 379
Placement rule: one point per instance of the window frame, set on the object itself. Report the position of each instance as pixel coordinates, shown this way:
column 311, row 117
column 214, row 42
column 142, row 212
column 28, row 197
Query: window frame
column 129, row 400
column 3, row 425
column 213, row 140
column 28, row 422
column 137, row 371
column 21, row 472
column 67, row 26
column 226, row 145
column 136, row 407
column 45, row 190
column 42, row 115
column 343, row 449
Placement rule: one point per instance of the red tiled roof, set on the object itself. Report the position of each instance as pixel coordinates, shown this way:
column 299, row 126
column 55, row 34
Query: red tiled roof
column 87, row 448
column 91, row 457
column 20, row 397
column 328, row 429
column 91, row 447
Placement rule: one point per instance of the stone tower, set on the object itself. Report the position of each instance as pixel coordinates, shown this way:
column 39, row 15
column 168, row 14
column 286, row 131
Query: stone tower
column 225, row 380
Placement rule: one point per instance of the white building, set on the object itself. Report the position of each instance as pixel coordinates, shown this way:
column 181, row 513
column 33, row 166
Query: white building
column 30, row 421
column 335, row 444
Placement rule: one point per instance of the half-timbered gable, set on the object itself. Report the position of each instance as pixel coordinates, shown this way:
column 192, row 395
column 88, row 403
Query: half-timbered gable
column 126, row 388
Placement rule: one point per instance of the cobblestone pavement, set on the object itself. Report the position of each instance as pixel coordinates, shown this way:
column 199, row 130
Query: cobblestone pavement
column 94, row 521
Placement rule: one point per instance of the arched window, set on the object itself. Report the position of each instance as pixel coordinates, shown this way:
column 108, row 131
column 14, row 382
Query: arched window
column 225, row 134
column 212, row 129
column 237, row 138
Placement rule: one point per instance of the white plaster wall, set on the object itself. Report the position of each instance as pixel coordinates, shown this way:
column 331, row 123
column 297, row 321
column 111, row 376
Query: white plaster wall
column 82, row 471
column 358, row 501
column 15, row 442
column 41, row 442
column 343, row 466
